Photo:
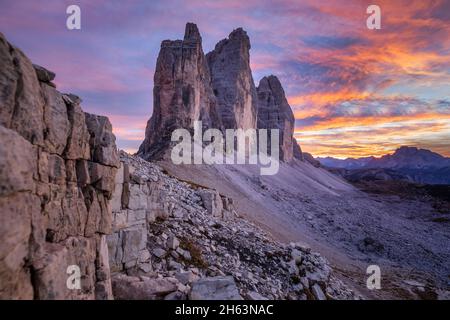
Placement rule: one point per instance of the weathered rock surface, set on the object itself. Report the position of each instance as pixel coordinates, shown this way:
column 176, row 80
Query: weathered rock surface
column 54, row 209
column 274, row 112
column 232, row 81
column 297, row 150
column 43, row 74
column 307, row 157
column 215, row 288
column 182, row 92
column 142, row 288
column 213, row 202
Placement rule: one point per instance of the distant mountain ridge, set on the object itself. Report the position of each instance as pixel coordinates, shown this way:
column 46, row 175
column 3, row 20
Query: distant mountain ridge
column 403, row 157
column 349, row 163
column 411, row 163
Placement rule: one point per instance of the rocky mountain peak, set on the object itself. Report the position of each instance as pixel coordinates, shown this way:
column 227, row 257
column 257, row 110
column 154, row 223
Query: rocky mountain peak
column 406, row 150
column 192, row 33
column 232, row 81
column 411, row 157
column 240, row 35
column 182, row 93
column 270, row 87
column 274, row 112
column 238, row 40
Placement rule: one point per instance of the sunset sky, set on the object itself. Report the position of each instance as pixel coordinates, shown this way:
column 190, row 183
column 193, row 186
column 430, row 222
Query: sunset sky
column 354, row 92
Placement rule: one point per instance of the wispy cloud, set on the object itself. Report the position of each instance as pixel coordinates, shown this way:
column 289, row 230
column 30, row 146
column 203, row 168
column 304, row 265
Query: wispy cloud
column 354, row 91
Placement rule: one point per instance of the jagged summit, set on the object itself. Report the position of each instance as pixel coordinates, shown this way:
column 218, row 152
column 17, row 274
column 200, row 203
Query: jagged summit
column 192, row 33
column 232, row 81
column 217, row 89
column 271, row 92
column 182, row 93
column 274, row 112
column 238, row 35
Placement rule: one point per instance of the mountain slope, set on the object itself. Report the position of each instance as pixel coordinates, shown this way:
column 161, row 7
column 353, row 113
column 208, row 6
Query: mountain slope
column 302, row 203
column 406, row 163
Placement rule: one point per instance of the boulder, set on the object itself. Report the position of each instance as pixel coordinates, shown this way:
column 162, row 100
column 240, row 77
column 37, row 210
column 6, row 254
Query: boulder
column 186, row 277
column 102, row 140
column 212, row 202
column 297, row 150
column 53, row 214
column 215, row 288
column 43, row 74
column 134, row 240
column 132, row 288
column 173, row 243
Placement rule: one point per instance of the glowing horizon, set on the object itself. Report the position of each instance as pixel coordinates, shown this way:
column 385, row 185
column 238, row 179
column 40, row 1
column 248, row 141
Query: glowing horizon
column 354, row 92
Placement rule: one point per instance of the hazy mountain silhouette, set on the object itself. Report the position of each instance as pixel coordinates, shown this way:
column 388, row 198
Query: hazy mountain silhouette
column 406, row 163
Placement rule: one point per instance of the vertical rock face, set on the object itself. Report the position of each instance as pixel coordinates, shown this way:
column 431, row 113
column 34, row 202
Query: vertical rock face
column 298, row 153
column 56, row 163
column 274, row 112
column 232, row 81
column 218, row 90
column 144, row 194
column 182, row 93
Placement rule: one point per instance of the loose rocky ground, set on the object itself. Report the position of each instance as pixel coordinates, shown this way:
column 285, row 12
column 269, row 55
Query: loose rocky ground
column 406, row 237
column 200, row 249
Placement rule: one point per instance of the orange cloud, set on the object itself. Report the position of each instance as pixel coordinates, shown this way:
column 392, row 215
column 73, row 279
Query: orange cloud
column 349, row 122
column 345, row 137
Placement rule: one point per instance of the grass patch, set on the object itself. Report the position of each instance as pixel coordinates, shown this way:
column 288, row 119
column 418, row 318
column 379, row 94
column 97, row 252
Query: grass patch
column 196, row 253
